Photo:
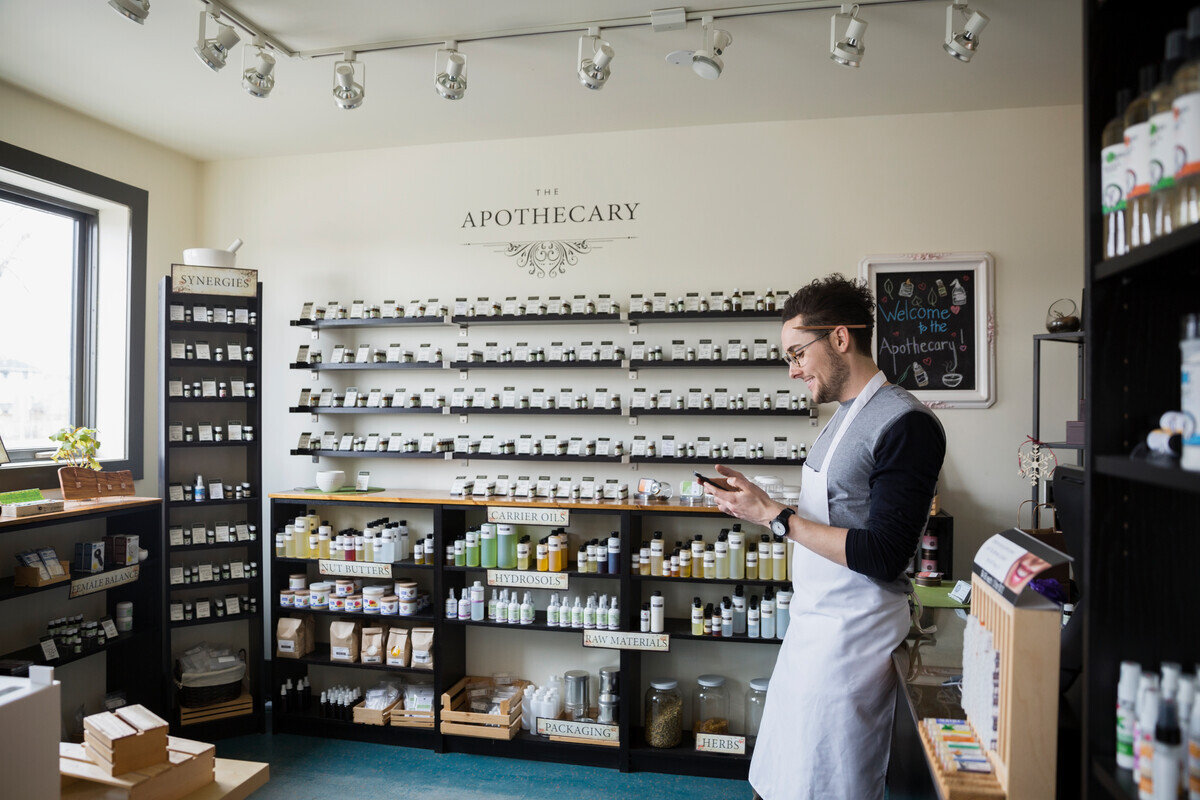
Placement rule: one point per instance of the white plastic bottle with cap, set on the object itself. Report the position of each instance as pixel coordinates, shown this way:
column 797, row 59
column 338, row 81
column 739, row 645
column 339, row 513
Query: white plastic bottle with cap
column 657, row 612
column 783, row 611
column 614, row 616
column 464, row 605
column 552, row 611
column 477, row 601
column 451, row 606
column 577, row 614
column 1167, row 737
column 1147, row 719
column 1131, row 673
column 589, row 614
column 502, row 606
column 514, row 609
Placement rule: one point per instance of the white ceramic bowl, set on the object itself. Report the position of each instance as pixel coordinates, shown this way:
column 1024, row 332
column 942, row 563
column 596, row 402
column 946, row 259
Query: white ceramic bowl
column 331, row 480
column 208, row 257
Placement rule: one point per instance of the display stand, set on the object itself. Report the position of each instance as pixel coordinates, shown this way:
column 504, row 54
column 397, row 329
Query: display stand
column 231, row 461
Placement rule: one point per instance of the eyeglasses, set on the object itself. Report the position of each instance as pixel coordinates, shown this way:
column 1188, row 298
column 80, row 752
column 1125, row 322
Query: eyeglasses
column 792, row 355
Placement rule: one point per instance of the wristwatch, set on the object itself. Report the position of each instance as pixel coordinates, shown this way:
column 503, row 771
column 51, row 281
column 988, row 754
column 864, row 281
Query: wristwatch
column 779, row 525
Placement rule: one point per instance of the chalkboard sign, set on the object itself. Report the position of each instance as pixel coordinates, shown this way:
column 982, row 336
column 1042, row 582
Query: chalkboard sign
column 933, row 325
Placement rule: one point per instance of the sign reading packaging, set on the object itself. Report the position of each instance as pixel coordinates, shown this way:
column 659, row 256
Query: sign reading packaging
column 578, row 730
column 720, row 743
column 186, row 279
column 527, row 579
column 104, row 580
column 625, row 640
column 355, row 569
column 554, row 517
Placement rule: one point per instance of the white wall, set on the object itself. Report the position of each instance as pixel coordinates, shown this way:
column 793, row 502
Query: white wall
column 746, row 206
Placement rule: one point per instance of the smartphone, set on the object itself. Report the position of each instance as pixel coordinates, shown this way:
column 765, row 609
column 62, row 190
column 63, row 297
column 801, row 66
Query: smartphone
column 717, row 482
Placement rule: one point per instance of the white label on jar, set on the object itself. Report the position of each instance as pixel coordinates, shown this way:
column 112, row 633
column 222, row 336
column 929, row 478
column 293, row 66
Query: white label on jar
column 1137, row 162
column 1162, row 146
column 339, row 652
column 1112, row 178
column 1187, row 134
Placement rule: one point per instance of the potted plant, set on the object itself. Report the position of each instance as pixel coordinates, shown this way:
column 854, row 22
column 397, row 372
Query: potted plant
column 77, row 447
column 82, row 479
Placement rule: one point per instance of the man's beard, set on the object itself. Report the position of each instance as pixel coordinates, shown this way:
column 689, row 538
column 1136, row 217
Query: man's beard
column 839, row 372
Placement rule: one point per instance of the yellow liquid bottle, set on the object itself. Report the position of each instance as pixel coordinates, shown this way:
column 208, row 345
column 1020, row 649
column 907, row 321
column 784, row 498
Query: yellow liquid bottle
column 644, row 559
column 1113, row 206
column 685, row 563
column 1137, row 136
column 710, row 562
column 1162, row 139
column 323, row 544
column 543, row 556
column 656, row 555
column 523, row 553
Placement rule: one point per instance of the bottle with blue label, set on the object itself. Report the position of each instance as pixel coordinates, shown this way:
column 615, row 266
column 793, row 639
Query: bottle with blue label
column 783, row 610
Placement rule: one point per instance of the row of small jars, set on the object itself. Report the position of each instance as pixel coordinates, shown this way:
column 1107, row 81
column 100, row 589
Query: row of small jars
column 246, row 603
column 376, row 312
column 538, row 355
column 232, row 491
column 195, row 389
column 710, row 709
column 218, row 434
column 218, row 353
column 217, row 316
column 735, row 302
column 210, row 535
column 736, row 353
column 223, row 572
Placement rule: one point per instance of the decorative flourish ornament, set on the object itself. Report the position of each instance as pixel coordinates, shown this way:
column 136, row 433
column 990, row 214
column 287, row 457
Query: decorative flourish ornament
column 548, row 258
column 1035, row 461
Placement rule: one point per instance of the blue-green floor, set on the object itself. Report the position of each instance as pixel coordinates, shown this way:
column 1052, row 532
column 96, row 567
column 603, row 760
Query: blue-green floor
column 308, row 768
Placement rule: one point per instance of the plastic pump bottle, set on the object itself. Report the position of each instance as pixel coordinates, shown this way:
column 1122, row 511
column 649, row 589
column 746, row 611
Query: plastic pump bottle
column 783, row 605
column 451, row 606
column 614, row 616
column 552, row 611
column 477, row 607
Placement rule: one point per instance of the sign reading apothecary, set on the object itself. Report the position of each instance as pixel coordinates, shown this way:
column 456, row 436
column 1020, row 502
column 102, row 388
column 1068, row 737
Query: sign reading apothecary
column 228, row 281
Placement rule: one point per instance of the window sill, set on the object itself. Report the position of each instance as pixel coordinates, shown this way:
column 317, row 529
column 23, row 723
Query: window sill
column 44, row 475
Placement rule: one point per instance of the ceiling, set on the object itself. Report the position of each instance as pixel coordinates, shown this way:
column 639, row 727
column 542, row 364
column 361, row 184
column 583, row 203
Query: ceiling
column 146, row 79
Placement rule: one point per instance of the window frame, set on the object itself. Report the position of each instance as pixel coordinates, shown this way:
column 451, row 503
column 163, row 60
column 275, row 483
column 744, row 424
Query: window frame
column 28, row 473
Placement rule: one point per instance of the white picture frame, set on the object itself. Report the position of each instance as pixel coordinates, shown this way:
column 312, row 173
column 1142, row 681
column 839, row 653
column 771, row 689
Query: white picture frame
column 978, row 265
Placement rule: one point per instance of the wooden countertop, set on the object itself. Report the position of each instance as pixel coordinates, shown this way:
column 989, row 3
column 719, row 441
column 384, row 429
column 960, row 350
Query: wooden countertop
column 431, row 497
column 79, row 508
column 235, row 780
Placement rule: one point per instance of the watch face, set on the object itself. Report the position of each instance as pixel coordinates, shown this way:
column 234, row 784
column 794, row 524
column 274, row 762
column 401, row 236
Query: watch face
column 778, row 528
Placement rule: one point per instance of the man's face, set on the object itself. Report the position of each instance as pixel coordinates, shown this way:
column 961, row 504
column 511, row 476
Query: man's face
column 815, row 361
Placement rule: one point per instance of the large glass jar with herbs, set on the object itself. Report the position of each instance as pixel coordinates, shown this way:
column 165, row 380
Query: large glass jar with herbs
column 664, row 713
column 710, row 706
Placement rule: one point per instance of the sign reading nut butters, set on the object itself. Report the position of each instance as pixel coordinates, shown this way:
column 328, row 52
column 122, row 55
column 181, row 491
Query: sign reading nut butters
column 355, row 569
column 554, row 517
column 527, row 579
column 720, row 743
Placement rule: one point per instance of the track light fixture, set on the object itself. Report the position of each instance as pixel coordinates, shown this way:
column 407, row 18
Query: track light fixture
column 258, row 79
column 214, row 50
column 595, row 54
column 706, row 62
column 848, row 50
column 962, row 44
column 347, row 92
column 136, row 10
column 450, row 72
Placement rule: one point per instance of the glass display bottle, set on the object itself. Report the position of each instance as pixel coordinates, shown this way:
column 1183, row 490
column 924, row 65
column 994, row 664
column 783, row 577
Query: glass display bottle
column 1186, row 106
column 756, row 701
column 1112, row 181
column 710, row 705
column 1162, row 138
column 1137, row 164
column 664, row 713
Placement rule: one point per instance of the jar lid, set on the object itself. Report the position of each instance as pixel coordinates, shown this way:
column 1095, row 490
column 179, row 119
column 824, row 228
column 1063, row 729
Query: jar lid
column 320, row 586
column 374, row 590
column 759, row 684
column 711, row 681
column 664, row 683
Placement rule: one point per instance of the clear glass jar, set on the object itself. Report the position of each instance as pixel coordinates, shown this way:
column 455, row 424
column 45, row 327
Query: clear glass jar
column 664, row 713
column 710, row 705
column 756, row 701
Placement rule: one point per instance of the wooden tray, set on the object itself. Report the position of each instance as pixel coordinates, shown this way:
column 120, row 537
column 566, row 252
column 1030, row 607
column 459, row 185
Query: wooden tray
column 189, row 767
column 403, row 718
column 487, row 726
column 959, row 785
column 372, row 716
column 32, row 576
column 483, row 731
column 81, row 483
column 239, row 707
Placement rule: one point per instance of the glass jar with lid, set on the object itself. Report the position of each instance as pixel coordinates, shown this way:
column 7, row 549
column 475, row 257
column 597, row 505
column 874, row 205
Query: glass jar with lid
column 756, row 701
column 664, row 713
column 710, row 705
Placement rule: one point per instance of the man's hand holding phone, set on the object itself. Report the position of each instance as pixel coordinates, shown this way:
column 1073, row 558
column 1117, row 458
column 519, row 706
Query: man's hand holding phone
column 738, row 497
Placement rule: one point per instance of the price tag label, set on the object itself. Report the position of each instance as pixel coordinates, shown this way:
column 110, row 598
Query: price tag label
column 175, row 536
column 545, row 488
column 608, row 351
column 521, row 351
column 304, row 442
column 678, row 349
column 638, row 448
column 555, row 353
column 389, row 309
column 425, row 352
column 566, row 398
column 754, row 399
column 363, row 356
column 427, row 442
column 350, row 400
column 395, row 443
column 575, row 446
column 175, row 388
column 242, row 530
column 208, row 388
column 525, row 444
column 538, row 398
column 487, row 445
column 176, row 575
column 356, row 309
column 205, row 432
column 49, row 650
column 691, row 301
column 604, row 446
column 232, row 605
column 413, row 309
column 668, row 448
column 206, row 573
column 176, row 313
column 760, row 350
column 781, row 448
column 241, row 316
column 638, row 399
column 554, row 305
column 175, row 432
column 587, row 488
column 695, row 399
column 461, row 306
column 237, row 387
column 347, row 442
column 372, row 444
column 235, row 351
column 604, row 304
column 221, row 532
column 721, row 399
column 199, row 313
column 637, row 351
column 704, row 351
column 587, row 351
column 202, row 352
column 703, row 447
column 338, row 355
column 509, row 307
column 198, row 534
column 203, row 609
column 659, row 302
column 740, row 449
column 175, row 492
column 176, row 612
column 110, row 628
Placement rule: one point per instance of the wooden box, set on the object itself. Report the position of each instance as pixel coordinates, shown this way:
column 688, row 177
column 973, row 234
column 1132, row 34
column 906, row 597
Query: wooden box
column 238, row 707
column 82, row 483
column 126, row 740
column 32, row 576
column 457, row 720
column 404, row 718
column 372, row 716
column 188, row 767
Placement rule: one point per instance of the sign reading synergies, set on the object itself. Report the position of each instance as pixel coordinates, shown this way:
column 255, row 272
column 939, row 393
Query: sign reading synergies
column 187, row 279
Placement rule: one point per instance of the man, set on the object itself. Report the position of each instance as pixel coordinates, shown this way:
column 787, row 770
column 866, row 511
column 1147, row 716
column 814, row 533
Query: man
column 864, row 501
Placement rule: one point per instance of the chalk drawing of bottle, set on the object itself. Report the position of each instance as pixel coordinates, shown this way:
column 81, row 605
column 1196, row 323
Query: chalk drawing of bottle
column 941, row 287
column 906, row 288
column 920, row 375
column 952, row 378
column 958, row 295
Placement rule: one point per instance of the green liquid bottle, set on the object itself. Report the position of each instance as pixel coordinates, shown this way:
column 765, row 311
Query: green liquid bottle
column 472, row 548
column 506, row 557
column 487, row 546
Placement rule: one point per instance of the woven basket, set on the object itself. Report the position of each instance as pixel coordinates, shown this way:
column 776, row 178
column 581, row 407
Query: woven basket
column 199, row 689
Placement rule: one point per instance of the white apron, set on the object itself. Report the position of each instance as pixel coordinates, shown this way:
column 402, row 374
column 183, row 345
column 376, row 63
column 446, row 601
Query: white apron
column 826, row 728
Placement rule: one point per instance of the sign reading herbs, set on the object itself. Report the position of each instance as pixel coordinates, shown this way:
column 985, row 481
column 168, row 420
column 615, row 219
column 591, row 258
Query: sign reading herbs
column 934, row 325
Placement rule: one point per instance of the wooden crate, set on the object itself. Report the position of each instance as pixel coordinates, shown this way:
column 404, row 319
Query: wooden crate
column 232, row 708
column 456, row 720
column 404, row 718
column 959, row 785
column 189, row 766
column 32, row 576
column 129, row 739
column 372, row 716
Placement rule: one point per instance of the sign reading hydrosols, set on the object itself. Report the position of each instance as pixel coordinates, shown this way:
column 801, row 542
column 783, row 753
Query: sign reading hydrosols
column 554, row 517
column 186, row 279
column 527, row 579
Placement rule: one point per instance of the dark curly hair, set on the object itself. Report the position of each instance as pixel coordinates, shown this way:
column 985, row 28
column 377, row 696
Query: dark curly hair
column 835, row 300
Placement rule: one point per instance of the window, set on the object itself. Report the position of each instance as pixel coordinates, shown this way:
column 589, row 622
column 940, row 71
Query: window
column 72, row 313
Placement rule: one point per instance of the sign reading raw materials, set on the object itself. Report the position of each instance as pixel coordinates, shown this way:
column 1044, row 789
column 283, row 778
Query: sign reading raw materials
column 186, row 279
column 527, row 580
column 554, row 517
column 624, row 640
column 720, row 743
column 355, row 569
column 104, row 580
column 593, row 731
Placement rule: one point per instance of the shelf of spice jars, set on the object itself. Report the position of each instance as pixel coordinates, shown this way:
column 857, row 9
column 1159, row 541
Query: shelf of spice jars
column 713, row 581
column 34, row 652
column 611, row 363
column 706, row 363
column 213, row 620
column 538, row 624
column 365, row 410
column 210, row 503
column 460, row 456
column 174, row 587
column 213, row 327
column 701, row 316
column 681, row 630
column 583, row 412
column 390, row 322
column 367, row 454
column 212, row 399
column 536, row 319
column 729, row 462
column 211, row 363
column 203, row 445
column 569, row 574
column 719, row 412
column 407, row 564
column 322, row 366
column 320, row 657
column 10, row 591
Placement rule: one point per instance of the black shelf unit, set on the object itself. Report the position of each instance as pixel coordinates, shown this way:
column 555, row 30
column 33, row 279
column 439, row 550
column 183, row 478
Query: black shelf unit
column 701, row 316
column 1138, row 515
column 582, row 412
column 741, row 462
column 240, row 461
column 315, row 410
column 450, row 519
column 131, row 658
column 718, row 412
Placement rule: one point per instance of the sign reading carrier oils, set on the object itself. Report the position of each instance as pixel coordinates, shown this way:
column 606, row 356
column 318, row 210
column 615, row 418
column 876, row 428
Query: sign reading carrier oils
column 554, row 517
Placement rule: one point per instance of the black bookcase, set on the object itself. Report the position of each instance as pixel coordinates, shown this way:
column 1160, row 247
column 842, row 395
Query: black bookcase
column 1141, row 552
column 233, row 462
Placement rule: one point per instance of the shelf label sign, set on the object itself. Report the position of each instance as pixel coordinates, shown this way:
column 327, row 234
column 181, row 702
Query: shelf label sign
column 626, row 640
column 554, row 517
column 186, row 279
column 104, row 580
column 720, row 743
column 593, row 731
column 355, row 569
column 526, row 579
